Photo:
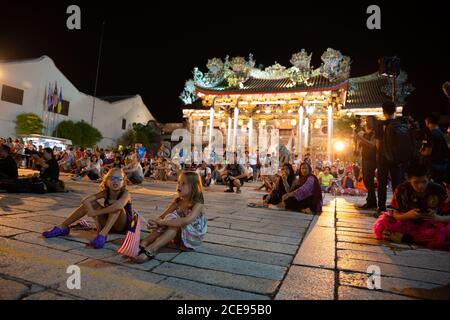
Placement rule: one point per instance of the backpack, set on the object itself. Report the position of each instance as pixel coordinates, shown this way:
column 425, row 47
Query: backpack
column 398, row 143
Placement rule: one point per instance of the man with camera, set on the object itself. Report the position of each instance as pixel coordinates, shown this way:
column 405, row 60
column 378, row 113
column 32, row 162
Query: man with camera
column 395, row 150
column 366, row 138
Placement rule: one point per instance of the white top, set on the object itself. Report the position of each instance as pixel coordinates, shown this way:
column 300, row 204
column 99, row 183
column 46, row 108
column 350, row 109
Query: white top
column 201, row 172
column 253, row 159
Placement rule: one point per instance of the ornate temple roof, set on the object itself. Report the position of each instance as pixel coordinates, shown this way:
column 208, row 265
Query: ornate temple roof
column 238, row 76
column 372, row 90
column 255, row 85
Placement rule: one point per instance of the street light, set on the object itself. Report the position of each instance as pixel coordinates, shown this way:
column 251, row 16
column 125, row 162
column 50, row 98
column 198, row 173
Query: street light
column 339, row 146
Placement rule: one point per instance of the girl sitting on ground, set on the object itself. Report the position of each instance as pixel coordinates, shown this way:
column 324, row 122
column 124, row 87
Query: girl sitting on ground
column 183, row 222
column 420, row 214
column 307, row 195
column 283, row 186
column 114, row 215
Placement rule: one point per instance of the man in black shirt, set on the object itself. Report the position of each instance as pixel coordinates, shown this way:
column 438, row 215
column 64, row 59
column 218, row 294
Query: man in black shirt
column 50, row 169
column 234, row 175
column 434, row 151
column 8, row 167
column 386, row 166
column 369, row 161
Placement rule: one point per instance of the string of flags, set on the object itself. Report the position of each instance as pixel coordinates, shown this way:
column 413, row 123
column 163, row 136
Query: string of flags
column 53, row 99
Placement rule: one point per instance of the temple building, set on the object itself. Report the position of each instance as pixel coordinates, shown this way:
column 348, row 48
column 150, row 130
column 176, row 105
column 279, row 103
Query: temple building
column 303, row 103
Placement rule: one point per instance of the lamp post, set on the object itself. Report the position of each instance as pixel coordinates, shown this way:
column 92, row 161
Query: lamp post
column 98, row 68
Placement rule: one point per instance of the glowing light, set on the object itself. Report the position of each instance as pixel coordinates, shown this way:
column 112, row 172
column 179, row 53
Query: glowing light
column 268, row 110
column 339, row 146
column 263, row 122
column 223, row 125
column 318, row 124
column 293, row 122
column 241, row 122
column 200, row 123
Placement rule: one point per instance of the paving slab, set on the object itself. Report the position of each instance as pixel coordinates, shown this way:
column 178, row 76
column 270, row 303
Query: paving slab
column 307, row 283
column 49, row 295
column 231, row 265
column 245, row 254
column 251, row 244
column 12, row 290
column 218, row 278
column 411, row 288
column 35, row 263
column 424, row 261
column 8, row 232
column 207, row 292
column 423, row 275
column 318, row 248
column 253, row 235
column 103, row 281
column 350, row 293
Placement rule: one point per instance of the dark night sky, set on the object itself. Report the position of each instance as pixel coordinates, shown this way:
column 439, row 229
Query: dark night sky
column 151, row 49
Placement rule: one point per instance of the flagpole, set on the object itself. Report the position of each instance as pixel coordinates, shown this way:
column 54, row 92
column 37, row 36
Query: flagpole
column 98, row 67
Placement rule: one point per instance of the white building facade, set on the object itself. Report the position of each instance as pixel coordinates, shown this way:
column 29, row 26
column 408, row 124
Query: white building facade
column 24, row 87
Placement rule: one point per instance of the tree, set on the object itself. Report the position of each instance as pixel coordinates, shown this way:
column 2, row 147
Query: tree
column 68, row 130
column 28, row 123
column 344, row 125
column 81, row 133
column 139, row 133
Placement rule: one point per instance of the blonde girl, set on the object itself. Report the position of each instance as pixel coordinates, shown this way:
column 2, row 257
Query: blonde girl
column 183, row 222
column 115, row 214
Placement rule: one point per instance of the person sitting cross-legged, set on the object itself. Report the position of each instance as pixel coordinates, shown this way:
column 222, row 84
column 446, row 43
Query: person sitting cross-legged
column 285, row 183
column 420, row 214
column 306, row 196
column 114, row 215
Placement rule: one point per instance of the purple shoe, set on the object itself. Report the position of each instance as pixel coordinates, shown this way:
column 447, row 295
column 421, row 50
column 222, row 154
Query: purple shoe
column 98, row 242
column 56, row 232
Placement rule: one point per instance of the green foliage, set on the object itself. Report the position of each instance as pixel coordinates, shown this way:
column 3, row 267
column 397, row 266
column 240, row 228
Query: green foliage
column 81, row 133
column 139, row 133
column 28, row 123
column 344, row 125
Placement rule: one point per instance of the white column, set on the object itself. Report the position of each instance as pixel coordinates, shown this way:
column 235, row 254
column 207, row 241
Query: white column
column 330, row 132
column 300, row 128
column 229, row 133
column 306, row 131
column 250, row 136
column 236, row 116
column 211, row 124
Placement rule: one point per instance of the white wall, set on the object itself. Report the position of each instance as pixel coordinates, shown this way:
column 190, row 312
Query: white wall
column 33, row 76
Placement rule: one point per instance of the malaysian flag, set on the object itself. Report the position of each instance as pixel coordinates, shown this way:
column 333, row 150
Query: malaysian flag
column 130, row 246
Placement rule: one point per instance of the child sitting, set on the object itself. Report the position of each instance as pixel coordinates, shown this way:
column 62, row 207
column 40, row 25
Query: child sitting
column 419, row 214
column 184, row 221
column 115, row 213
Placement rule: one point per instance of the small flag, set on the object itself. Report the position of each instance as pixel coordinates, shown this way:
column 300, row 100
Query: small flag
column 83, row 223
column 130, row 246
column 55, row 98
column 60, row 101
column 49, row 98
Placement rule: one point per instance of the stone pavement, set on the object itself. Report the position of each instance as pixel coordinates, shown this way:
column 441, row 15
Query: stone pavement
column 249, row 253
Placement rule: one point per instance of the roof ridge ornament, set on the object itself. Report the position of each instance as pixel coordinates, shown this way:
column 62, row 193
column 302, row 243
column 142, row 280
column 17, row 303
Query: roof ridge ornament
column 335, row 66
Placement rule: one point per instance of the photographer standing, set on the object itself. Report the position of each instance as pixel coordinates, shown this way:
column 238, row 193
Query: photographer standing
column 369, row 161
column 395, row 150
